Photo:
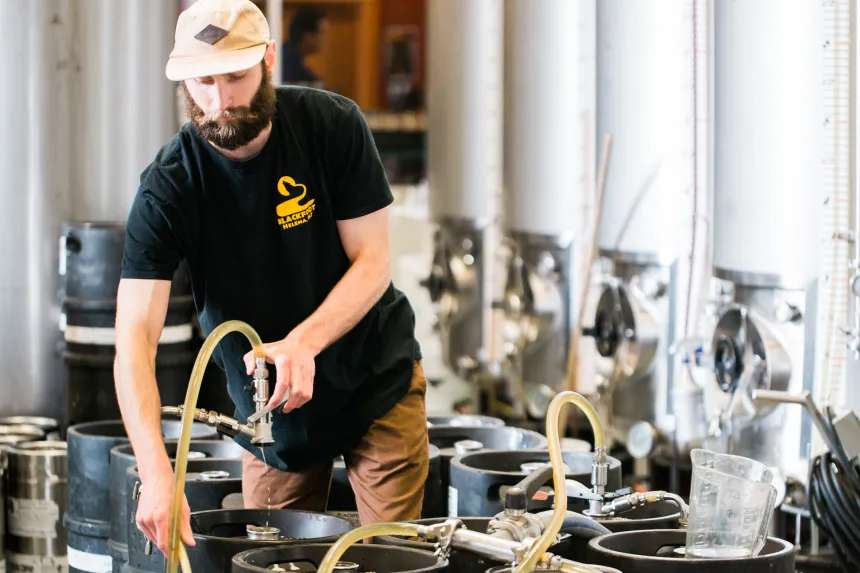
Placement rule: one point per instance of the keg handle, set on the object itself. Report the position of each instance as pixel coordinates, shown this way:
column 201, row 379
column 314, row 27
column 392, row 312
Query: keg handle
column 135, row 495
column 530, row 484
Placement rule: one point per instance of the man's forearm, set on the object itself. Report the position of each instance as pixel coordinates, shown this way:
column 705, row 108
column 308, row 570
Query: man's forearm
column 137, row 393
column 347, row 303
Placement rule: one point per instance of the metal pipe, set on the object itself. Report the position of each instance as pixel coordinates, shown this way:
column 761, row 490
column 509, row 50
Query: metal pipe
column 804, row 399
column 487, row 546
column 275, row 17
column 855, row 183
column 224, row 424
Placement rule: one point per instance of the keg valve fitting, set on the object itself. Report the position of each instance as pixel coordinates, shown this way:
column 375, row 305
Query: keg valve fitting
column 599, row 479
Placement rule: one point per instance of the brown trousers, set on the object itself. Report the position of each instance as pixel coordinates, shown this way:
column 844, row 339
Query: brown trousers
column 387, row 469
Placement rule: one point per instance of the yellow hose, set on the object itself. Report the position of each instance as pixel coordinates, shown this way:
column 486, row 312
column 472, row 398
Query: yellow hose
column 349, row 538
column 541, row 544
column 184, row 563
column 176, row 551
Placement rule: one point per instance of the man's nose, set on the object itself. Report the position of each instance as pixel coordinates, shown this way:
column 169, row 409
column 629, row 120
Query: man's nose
column 221, row 96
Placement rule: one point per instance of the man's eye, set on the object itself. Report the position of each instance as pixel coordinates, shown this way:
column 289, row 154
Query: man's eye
column 236, row 78
column 206, row 81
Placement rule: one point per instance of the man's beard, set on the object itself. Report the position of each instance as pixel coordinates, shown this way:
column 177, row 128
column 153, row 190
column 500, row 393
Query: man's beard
column 235, row 126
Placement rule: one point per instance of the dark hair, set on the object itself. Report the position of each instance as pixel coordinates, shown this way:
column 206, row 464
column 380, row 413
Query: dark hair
column 306, row 20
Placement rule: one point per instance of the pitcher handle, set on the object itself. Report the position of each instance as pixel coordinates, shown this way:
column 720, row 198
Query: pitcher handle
column 761, row 537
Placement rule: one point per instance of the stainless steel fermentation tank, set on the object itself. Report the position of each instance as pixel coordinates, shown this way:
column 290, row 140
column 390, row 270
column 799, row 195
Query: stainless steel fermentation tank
column 464, row 161
column 646, row 99
column 769, row 202
column 91, row 107
column 549, row 101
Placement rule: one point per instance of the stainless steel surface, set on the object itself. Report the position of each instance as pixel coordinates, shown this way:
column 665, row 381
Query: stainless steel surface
column 756, row 280
column 120, row 118
column 487, row 546
column 645, row 99
column 464, row 106
column 258, row 532
column 536, row 309
column 465, row 421
column 262, row 417
column 91, row 109
column 752, row 350
column 275, row 17
column 549, row 110
column 46, row 424
column 769, row 194
column 36, row 138
column 804, row 399
column 34, row 432
column 465, row 446
column 632, row 258
column 3, row 465
column 37, row 490
column 224, row 424
column 212, row 474
column 632, row 332
column 457, row 291
column 739, row 337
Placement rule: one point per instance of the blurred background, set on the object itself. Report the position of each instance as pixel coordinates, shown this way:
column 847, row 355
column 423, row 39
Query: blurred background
column 651, row 202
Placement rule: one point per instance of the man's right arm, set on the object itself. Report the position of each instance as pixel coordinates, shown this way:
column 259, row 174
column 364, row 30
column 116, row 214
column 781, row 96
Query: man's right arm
column 141, row 310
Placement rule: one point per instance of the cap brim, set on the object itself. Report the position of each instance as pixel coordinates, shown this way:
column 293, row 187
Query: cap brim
column 182, row 68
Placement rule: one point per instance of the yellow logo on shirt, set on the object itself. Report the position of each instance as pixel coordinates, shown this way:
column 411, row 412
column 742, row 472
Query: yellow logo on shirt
column 292, row 212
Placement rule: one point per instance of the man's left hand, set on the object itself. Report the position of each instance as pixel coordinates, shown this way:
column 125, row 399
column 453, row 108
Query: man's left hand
column 295, row 367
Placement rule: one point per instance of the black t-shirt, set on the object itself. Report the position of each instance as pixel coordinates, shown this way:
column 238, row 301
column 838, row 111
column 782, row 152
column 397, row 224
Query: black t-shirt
column 262, row 245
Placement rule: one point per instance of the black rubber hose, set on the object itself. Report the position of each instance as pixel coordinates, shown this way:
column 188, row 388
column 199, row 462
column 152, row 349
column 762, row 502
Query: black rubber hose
column 577, row 524
column 836, row 496
column 828, row 516
column 834, row 499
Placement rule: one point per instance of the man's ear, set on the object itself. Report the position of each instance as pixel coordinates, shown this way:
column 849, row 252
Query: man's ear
column 270, row 55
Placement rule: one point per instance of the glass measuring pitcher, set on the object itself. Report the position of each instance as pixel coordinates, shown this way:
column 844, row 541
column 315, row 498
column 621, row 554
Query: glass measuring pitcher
column 731, row 502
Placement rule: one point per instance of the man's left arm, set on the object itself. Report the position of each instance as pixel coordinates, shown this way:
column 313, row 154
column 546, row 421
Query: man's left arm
column 365, row 240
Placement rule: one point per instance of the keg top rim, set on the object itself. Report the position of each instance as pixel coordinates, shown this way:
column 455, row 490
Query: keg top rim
column 36, row 432
column 40, row 448
column 43, row 422
column 93, row 430
column 599, row 544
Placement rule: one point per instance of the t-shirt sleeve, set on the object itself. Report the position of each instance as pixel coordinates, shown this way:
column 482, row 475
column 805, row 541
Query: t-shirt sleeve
column 356, row 177
column 151, row 248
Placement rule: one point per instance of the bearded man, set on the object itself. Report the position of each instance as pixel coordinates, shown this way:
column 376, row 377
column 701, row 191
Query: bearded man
column 278, row 201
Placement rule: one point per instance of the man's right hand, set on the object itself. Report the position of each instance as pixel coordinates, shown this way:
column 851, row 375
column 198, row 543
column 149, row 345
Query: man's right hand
column 153, row 511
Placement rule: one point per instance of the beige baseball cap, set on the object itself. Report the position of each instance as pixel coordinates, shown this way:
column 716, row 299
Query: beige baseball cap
column 217, row 37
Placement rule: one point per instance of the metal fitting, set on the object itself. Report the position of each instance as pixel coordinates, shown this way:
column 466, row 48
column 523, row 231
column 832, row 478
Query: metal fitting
column 634, row 500
column 515, row 525
column 442, row 534
column 261, row 421
column 599, row 479
column 224, row 424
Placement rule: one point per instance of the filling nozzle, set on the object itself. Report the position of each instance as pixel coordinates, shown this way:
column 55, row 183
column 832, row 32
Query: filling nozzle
column 258, row 426
column 261, row 420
